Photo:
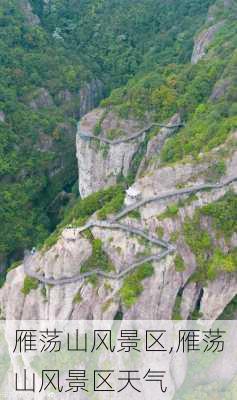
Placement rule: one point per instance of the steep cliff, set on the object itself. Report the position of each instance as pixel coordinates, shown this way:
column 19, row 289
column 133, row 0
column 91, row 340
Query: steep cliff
column 31, row 18
column 204, row 40
column 45, row 89
column 101, row 163
column 170, row 290
column 53, row 64
column 167, row 143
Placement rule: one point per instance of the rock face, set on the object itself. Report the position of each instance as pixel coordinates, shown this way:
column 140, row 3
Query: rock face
column 219, row 292
column 156, row 144
column 220, row 89
column 100, row 164
column 202, row 42
column 90, row 96
column 87, row 98
column 102, row 159
column 215, row 9
column 83, row 300
column 161, row 180
column 158, row 296
column 190, row 296
column 64, row 259
column 2, row 116
column 42, row 99
column 64, row 96
column 31, row 18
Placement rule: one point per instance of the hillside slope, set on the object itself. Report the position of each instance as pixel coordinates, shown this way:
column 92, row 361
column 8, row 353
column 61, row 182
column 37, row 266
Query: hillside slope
column 58, row 59
column 166, row 248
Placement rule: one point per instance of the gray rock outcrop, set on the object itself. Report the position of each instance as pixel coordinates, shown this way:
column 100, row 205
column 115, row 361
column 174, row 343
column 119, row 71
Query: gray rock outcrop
column 90, row 95
column 203, row 40
column 63, row 259
column 217, row 295
column 220, row 89
column 41, row 99
column 2, row 116
column 82, row 300
column 156, row 144
column 31, row 18
column 100, row 165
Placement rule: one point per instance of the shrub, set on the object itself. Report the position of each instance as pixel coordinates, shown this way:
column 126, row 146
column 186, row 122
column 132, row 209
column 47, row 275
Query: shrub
column 171, row 211
column 114, row 134
column 200, row 243
column 51, row 240
column 29, row 284
column 160, row 231
column 132, row 286
column 108, row 200
column 176, row 314
column 113, row 206
column 211, row 260
column 77, row 298
column 198, row 239
column 98, row 260
column 221, row 262
column 135, row 214
column 97, row 129
column 93, row 280
column 216, row 171
column 230, row 310
column 86, row 207
column 179, row 263
column 224, row 214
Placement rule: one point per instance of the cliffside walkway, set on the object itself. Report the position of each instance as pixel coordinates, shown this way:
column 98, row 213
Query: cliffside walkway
column 174, row 193
column 112, row 224
column 85, row 135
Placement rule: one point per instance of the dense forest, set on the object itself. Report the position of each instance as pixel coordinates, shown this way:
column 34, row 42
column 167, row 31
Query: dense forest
column 46, row 58
column 204, row 94
column 117, row 38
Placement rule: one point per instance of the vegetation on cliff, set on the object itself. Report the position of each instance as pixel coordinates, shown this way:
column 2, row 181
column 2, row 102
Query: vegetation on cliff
column 211, row 258
column 204, row 94
column 143, row 58
column 45, row 61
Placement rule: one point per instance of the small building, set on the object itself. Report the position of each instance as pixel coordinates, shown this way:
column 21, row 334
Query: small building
column 132, row 196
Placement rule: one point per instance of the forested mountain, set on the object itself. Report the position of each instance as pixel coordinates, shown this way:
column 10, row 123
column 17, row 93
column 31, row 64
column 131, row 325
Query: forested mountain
column 117, row 38
column 49, row 51
column 204, row 93
column 118, row 167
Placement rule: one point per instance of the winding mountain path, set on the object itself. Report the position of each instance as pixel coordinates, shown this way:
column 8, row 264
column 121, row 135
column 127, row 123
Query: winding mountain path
column 174, row 193
column 85, row 135
column 112, row 224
